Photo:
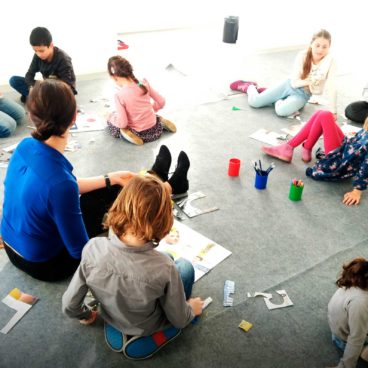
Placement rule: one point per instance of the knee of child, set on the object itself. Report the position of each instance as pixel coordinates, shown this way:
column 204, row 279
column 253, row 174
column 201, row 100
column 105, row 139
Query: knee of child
column 282, row 109
column 253, row 101
column 7, row 128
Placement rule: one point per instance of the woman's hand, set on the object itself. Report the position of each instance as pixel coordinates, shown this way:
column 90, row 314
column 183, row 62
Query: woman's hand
column 90, row 320
column 121, row 177
column 352, row 197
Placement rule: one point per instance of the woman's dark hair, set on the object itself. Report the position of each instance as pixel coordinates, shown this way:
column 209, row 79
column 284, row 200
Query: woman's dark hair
column 52, row 107
column 307, row 66
column 40, row 36
column 354, row 274
column 119, row 67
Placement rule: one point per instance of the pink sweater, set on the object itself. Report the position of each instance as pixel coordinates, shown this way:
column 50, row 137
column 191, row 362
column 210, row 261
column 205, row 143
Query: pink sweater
column 135, row 109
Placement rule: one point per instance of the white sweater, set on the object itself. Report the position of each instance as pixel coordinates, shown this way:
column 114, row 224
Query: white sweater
column 320, row 76
column 348, row 320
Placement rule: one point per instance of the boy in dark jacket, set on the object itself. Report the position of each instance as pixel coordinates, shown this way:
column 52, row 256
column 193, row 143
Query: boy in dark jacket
column 49, row 60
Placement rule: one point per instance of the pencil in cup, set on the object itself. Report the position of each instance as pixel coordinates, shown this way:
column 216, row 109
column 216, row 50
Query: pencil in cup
column 296, row 190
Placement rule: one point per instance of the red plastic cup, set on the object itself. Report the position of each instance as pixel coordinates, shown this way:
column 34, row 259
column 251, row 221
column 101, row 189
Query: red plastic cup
column 234, row 167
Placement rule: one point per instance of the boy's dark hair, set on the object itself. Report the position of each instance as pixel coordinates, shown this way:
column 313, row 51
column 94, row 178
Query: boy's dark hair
column 52, row 108
column 40, row 36
column 354, row 274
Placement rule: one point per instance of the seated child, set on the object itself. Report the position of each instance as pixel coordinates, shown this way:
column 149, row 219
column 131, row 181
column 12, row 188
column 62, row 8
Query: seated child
column 49, row 60
column 344, row 157
column 348, row 313
column 135, row 118
column 140, row 290
column 11, row 115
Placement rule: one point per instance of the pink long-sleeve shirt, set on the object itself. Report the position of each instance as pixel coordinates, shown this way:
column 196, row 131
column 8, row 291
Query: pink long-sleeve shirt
column 134, row 109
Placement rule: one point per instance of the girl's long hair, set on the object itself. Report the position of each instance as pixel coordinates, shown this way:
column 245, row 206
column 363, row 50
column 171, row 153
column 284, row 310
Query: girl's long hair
column 307, row 66
column 119, row 67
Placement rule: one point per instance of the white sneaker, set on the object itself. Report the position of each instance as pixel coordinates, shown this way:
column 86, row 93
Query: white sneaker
column 131, row 137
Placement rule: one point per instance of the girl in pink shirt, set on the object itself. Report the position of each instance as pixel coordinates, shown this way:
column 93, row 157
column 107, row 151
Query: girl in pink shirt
column 136, row 105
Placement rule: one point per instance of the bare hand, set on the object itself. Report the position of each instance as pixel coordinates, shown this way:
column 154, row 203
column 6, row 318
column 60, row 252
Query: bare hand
column 90, row 320
column 197, row 305
column 121, row 177
column 352, row 197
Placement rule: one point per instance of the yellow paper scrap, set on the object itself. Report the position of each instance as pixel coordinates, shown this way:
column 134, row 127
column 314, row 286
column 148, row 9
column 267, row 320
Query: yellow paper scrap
column 246, row 326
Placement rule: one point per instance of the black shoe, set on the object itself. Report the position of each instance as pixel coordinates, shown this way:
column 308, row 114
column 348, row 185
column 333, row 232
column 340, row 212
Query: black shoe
column 309, row 171
column 179, row 181
column 162, row 163
column 23, row 99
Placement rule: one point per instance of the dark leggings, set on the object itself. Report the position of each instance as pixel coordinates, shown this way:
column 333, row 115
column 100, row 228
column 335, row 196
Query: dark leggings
column 94, row 205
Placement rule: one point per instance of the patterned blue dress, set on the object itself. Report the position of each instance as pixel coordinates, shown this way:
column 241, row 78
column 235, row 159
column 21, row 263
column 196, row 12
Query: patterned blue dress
column 348, row 160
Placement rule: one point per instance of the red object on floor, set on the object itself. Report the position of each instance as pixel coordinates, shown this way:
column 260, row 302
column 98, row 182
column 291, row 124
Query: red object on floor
column 122, row 45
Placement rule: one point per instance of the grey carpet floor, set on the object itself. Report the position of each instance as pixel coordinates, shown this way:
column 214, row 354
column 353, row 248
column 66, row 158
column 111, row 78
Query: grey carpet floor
column 276, row 243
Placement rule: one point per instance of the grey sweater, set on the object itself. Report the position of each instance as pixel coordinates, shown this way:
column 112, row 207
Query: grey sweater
column 348, row 320
column 139, row 288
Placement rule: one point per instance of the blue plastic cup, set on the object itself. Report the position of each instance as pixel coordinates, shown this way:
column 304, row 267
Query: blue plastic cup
column 261, row 180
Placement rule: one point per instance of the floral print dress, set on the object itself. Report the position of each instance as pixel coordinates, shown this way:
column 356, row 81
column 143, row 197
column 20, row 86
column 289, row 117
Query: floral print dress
column 348, row 160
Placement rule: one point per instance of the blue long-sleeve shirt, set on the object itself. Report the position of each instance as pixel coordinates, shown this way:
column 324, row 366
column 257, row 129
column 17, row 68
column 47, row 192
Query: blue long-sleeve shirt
column 41, row 210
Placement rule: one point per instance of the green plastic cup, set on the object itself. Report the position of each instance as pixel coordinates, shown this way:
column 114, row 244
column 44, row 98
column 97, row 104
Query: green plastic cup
column 295, row 193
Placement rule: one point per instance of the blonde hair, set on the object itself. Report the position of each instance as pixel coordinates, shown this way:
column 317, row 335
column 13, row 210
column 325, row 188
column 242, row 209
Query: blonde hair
column 144, row 208
column 307, row 66
column 365, row 125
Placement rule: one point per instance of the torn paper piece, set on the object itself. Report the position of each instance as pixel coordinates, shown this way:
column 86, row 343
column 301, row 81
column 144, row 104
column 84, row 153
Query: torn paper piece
column 249, row 295
column 19, row 301
column 245, row 325
column 265, row 295
column 229, row 288
column 207, row 302
column 186, row 206
column 286, row 301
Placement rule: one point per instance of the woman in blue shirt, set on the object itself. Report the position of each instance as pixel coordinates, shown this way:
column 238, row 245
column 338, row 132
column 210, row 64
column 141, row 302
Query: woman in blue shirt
column 42, row 226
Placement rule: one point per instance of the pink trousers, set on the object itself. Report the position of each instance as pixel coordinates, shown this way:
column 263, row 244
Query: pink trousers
column 321, row 122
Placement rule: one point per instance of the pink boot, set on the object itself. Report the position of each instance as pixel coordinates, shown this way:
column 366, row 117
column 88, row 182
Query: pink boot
column 306, row 154
column 241, row 85
column 283, row 152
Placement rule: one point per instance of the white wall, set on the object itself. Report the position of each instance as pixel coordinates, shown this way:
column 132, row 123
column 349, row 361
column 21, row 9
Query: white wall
column 88, row 32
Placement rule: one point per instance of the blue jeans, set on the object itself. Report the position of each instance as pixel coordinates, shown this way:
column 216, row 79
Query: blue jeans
column 186, row 272
column 11, row 115
column 340, row 344
column 287, row 99
column 19, row 84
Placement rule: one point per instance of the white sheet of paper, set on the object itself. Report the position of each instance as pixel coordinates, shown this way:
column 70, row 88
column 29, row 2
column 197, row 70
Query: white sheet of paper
column 87, row 123
column 184, row 242
column 269, row 137
column 350, row 130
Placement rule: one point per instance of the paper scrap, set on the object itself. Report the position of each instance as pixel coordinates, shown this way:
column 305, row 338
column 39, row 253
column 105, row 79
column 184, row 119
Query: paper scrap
column 185, row 205
column 245, row 325
column 286, row 301
column 207, row 302
column 19, row 301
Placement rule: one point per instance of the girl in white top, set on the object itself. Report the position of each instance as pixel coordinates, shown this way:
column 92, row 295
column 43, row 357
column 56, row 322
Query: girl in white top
column 314, row 69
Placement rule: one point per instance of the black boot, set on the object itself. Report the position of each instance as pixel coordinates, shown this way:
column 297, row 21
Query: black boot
column 179, row 181
column 162, row 164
